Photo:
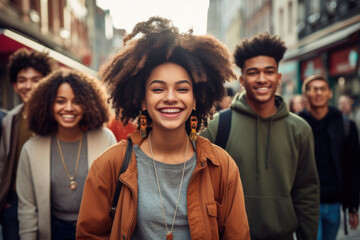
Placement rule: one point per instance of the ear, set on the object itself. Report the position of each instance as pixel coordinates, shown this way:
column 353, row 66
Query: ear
column 15, row 86
column 241, row 79
column 279, row 78
column 143, row 106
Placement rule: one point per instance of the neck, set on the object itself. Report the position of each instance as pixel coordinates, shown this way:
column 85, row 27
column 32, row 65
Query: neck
column 319, row 113
column 69, row 135
column 264, row 110
column 168, row 148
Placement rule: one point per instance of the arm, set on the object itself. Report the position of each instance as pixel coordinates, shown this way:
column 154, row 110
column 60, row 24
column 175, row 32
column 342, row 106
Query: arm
column 233, row 215
column 352, row 175
column 306, row 189
column 27, row 209
column 93, row 220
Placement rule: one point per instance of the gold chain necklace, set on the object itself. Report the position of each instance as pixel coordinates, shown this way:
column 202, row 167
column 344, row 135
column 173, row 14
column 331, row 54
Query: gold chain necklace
column 169, row 235
column 72, row 184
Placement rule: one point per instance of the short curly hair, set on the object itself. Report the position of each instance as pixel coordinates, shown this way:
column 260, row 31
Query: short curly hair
column 261, row 44
column 205, row 58
column 24, row 58
column 88, row 90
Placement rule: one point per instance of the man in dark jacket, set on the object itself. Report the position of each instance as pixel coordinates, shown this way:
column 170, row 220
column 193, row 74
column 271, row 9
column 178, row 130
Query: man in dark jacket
column 337, row 157
column 272, row 147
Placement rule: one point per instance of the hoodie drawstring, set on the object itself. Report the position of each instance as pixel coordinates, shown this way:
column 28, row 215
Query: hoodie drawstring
column 267, row 153
column 268, row 145
column 257, row 147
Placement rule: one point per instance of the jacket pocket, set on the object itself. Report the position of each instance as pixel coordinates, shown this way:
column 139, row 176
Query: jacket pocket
column 212, row 208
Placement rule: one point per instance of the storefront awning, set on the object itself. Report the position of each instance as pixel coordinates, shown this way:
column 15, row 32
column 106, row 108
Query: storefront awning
column 69, row 62
column 326, row 41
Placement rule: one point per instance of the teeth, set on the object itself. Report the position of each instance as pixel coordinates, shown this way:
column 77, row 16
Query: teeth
column 68, row 116
column 170, row 110
column 263, row 88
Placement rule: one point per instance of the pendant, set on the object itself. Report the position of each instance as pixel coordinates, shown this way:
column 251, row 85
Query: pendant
column 169, row 236
column 73, row 185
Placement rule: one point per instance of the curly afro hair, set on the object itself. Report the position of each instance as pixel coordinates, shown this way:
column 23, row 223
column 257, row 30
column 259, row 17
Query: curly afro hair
column 205, row 58
column 23, row 58
column 89, row 92
column 261, row 44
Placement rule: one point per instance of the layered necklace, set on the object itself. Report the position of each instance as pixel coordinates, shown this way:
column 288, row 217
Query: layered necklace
column 169, row 234
column 73, row 184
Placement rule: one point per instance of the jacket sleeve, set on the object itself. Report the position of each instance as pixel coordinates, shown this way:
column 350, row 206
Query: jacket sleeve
column 352, row 170
column 306, row 189
column 93, row 220
column 233, row 218
column 27, row 209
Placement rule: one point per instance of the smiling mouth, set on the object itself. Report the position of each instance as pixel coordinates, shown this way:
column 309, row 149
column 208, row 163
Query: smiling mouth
column 68, row 117
column 170, row 110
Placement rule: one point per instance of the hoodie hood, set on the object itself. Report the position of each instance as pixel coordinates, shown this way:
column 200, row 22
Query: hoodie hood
column 240, row 105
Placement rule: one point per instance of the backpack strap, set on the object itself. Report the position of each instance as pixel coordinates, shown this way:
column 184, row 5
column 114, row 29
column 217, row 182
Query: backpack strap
column 124, row 166
column 223, row 131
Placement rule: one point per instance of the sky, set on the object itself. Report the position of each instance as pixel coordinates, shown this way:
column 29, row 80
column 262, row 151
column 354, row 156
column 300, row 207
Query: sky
column 185, row 14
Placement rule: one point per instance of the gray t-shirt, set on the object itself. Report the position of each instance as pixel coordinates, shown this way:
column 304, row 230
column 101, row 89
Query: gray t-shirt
column 65, row 203
column 150, row 220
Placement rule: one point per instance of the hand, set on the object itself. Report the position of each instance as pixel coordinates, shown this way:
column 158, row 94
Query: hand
column 353, row 220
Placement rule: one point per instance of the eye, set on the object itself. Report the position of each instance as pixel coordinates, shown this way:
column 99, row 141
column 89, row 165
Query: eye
column 270, row 72
column 252, row 73
column 183, row 89
column 59, row 101
column 157, row 90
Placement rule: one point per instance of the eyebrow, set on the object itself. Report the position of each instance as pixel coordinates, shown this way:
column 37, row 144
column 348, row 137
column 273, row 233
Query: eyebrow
column 163, row 82
column 254, row 68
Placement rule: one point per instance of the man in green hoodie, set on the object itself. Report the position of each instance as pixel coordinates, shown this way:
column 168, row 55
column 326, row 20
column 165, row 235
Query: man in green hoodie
column 272, row 147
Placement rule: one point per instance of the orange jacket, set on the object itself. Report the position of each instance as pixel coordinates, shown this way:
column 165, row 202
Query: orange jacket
column 216, row 208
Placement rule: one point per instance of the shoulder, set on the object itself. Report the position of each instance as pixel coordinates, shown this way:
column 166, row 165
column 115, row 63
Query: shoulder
column 213, row 153
column 37, row 141
column 11, row 114
column 298, row 120
column 102, row 133
column 111, row 157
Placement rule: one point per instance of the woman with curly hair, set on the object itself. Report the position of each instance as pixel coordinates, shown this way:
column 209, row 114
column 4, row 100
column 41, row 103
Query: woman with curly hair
column 66, row 112
column 177, row 185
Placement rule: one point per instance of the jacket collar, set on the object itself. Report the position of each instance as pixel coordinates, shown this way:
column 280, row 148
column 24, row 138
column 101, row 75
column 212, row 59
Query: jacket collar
column 203, row 148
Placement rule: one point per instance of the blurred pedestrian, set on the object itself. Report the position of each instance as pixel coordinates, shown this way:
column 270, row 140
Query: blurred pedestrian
column 226, row 100
column 174, row 187
column 67, row 112
column 25, row 69
column 345, row 104
column 296, row 103
column 272, row 147
column 337, row 157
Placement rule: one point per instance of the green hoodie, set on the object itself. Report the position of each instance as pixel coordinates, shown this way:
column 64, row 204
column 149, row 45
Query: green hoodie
column 277, row 166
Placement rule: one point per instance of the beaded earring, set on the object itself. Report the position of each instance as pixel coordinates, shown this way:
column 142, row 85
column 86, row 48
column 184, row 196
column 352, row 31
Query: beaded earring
column 143, row 125
column 193, row 126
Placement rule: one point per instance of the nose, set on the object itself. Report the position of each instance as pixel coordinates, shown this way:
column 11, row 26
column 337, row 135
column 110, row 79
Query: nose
column 261, row 77
column 69, row 106
column 28, row 84
column 170, row 96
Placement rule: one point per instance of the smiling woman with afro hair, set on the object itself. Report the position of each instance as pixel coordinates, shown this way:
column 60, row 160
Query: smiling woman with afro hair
column 66, row 112
column 177, row 184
